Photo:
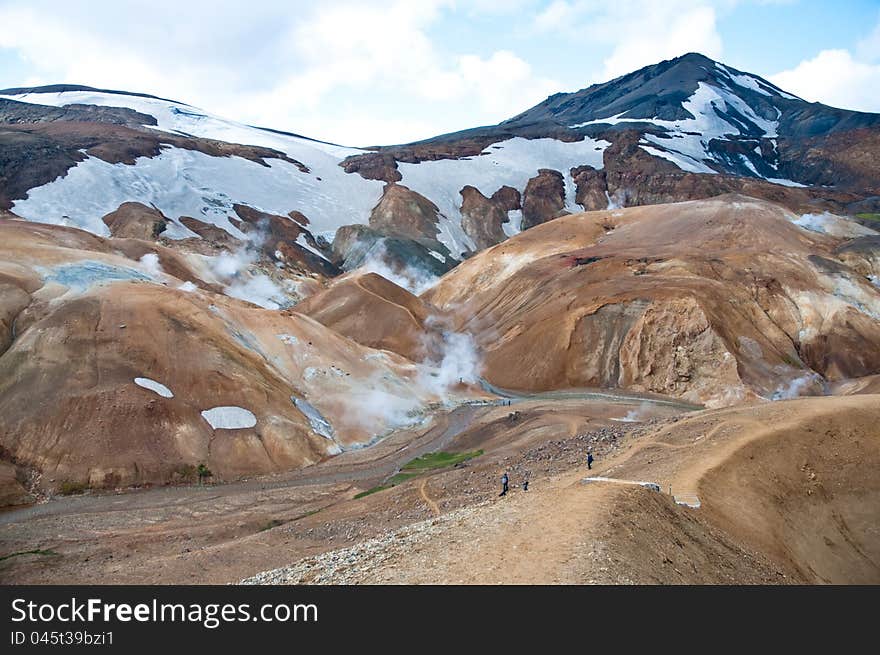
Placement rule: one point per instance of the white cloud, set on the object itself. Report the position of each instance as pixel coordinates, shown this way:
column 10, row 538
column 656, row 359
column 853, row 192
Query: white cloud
column 288, row 65
column 347, row 47
column 662, row 31
column 638, row 32
column 836, row 78
column 556, row 17
column 839, row 77
column 502, row 84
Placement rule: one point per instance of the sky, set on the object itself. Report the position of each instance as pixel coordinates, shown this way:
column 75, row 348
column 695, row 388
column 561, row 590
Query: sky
column 393, row 71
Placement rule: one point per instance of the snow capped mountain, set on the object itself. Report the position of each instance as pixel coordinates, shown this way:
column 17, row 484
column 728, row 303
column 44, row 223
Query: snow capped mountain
column 701, row 115
column 183, row 182
column 718, row 114
column 681, row 129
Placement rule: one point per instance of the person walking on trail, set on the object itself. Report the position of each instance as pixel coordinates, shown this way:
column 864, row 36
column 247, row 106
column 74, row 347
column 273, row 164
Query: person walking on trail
column 526, row 484
column 589, row 460
column 504, row 482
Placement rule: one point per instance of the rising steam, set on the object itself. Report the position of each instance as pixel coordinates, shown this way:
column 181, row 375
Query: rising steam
column 413, row 279
column 796, row 387
column 233, row 269
column 635, row 415
column 457, row 362
column 150, row 264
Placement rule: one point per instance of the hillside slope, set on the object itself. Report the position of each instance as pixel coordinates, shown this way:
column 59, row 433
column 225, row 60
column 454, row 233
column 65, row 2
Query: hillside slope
column 715, row 301
column 121, row 365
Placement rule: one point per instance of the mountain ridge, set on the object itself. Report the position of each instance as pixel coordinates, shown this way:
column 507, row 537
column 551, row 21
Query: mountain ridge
column 681, row 129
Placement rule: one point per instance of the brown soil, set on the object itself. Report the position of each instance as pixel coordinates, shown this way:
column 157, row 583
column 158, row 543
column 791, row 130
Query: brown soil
column 374, row 312
column 714, row 301
column 222, row 533
column 788, row 492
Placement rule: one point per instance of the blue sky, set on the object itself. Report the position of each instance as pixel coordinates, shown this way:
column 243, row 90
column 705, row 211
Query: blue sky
column 390, row 71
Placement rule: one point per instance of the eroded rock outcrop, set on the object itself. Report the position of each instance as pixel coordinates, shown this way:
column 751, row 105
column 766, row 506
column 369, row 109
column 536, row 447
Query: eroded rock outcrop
column 278, row 238
column 591, row 188
column 136, row 221
column 674, row 348
column 12, row 491
column 482, row 218
column 403, row 213
column 543, row 198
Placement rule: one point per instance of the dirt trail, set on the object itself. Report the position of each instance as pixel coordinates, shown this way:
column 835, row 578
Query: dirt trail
column 424, row 494
column 789, row 493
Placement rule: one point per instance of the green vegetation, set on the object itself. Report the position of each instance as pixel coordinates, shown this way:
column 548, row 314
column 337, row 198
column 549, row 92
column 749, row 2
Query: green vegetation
column 204, row 472
column 869, row 217
column 28, row 552
column 440, row 460
column 419, row 465
column 71, row 487
column 371, row 491
column 274, row 523
column 400, row 477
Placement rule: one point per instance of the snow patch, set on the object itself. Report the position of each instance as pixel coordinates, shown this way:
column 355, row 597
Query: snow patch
column 686, row 142
column 229, row 417
column 319, row 424
column 684, row 162
column 154, row 386
column 746, row 81
column 513, row 226
column 784, row 182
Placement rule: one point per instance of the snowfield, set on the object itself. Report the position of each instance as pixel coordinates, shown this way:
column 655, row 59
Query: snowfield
column 187, row 183
column 190, row 121
column 512, row 163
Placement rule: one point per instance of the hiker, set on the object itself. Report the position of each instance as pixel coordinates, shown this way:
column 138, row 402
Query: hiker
column 504, row 482
column 589, row 460
column 526, row 484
